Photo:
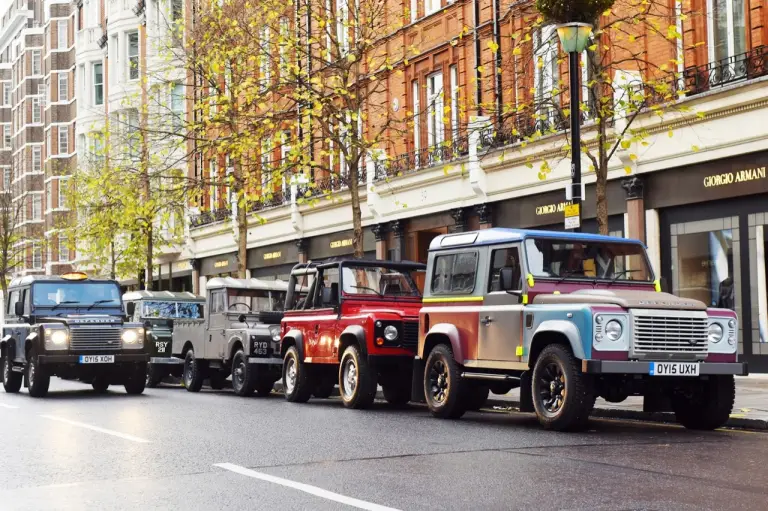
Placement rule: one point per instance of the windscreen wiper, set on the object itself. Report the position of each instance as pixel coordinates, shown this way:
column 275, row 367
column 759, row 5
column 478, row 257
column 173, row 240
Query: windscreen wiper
column 97, row 302
column 65, row 302
column 621, row 274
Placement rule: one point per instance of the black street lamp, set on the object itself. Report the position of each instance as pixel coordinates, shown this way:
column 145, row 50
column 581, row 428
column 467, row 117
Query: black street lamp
column 574, row 38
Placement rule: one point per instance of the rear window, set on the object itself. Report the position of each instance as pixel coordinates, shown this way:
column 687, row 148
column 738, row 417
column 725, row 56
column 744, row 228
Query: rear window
column 454, row 273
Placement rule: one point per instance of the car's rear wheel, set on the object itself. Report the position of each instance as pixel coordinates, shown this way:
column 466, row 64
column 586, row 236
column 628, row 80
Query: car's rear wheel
column 11, row 380
column 155, row 375
column 443, row 387
column 477, row 395
column 100, row 384
column 193, row 373
column 242, row 380
column 38, row 378
column 397, row 392
column 216, row 380
column 297, row 385
column 264, row 383
column 563, row 396
column 357, row 380
column 324, row 387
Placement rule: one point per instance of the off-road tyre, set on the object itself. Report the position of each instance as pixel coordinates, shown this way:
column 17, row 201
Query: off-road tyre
column 398, row 392
column 563, row 396
column 710, row 407
column 100, row 384
column 155, row 376
column 357, row 380
column 11, row 380
column 297, row 384
column 243, row 379
column 137, row 380
column 477, row 396
column 444, row 390
column 38, row 378
column 193, row 375
column 324, row 387
column 216, row 380
column 264, row 383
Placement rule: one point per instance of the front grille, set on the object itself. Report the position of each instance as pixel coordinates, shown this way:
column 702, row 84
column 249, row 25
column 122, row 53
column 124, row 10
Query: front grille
column 670, row 334
column 410, row 334
column 95, row 338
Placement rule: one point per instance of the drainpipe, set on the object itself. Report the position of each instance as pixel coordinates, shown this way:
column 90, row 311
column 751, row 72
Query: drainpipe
column 497, row 61
column 478, row 76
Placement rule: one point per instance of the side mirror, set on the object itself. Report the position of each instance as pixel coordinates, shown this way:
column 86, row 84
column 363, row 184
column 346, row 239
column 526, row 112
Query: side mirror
column 18, row 309
column 241, row 318
column 506, row 279
column 130, row 308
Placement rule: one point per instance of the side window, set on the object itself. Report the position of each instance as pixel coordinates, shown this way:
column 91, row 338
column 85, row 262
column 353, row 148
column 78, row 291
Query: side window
column 454, row 273
column 25, row 300
column 328, row 288
column 14, row 297
column 504, row 258
column 218, row 301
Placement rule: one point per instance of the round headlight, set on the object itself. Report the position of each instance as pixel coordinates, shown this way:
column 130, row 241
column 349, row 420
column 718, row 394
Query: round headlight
column 390, row 333
column 732, row 324
column 130, row 336
column 715, row 333
column 613, row 330
column 59, row 337
column 275, row 332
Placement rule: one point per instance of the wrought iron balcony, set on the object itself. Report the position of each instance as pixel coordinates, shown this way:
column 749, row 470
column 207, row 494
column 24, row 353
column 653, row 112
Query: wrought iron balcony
column 745, row 66
column 209, row 217
column 102, row 42
column 427, row 157
column 140, row 8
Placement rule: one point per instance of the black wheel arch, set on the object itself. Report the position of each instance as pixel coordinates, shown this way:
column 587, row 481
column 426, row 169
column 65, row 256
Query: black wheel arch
column 544, row 339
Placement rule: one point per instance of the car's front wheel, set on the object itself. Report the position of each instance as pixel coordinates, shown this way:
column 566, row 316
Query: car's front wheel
column 477, row 396
column 193, row 373
column 100, row 384
column 357, row 380
column 563, row 396
column 38, row 378
column 11, row 380
column 217, row 380
column 443, row 387
column 707, row 407
column 155, row 375
column 137, row 380
column 242, row 380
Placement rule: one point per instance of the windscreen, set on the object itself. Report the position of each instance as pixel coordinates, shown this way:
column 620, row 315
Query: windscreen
column 377, row 281
column 47, row 294
column 249, row 300
column 598, row 260
column 172, row 310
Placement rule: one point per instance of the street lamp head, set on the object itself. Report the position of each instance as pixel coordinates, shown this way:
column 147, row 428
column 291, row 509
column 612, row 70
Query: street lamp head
column 574, row 36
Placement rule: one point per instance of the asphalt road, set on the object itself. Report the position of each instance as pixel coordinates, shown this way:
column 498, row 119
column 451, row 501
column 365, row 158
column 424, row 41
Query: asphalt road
column 170, row 449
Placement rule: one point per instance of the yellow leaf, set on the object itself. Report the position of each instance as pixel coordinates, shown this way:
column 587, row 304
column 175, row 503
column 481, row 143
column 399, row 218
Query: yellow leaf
column 625, row 144
column 593, row 47
column 493, row 46
column 633, row 157
column 670, row 133
column 695, row 148
column 481, row 69
column 628, row 169
column 517, row 51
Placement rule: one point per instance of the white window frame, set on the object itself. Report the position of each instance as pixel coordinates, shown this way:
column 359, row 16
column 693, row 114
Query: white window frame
column 6, row 94
column 177, row 105
column 132, row 61
column 432, row 6
column 49, row 195
column 37, row 207
column 454, row 77
column 37, row 254
column 63, row 147
column 61, row 196
column 265, row 62
column 37, row 62
column 213, row 169
column 416, row 115
column 342, row 26
column 37, row 158
column 37, row 116
column 711, row 29
column 435, row 109
column 63, row 249
column 97, row 85
column 62, row 44
column 63, row 86
column 7, row 137
column 545, row 78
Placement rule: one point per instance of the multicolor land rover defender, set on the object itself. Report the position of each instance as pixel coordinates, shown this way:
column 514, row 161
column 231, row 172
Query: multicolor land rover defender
column 567, row 317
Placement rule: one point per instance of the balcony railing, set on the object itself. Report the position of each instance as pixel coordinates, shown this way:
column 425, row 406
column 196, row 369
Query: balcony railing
column 745, row 66
column 427, row 157
column 140, row 7
column 209, row 217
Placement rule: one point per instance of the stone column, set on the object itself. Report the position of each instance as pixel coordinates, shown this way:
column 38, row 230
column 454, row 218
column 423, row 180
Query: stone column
column 195, row 264
column 302, row 245
column 635, row 208
column 380, row 233
column 397, row 228
column 459, row 219
column 484, row 212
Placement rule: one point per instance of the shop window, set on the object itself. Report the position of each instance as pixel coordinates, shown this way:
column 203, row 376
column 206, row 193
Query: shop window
column 758, row 248
column 454, row 273
column 706, row 262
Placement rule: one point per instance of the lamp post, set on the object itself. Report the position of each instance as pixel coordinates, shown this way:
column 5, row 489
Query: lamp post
column 573, row 39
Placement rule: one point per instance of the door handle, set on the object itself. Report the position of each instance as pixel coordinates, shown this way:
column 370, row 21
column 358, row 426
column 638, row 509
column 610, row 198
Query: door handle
column 486, row 320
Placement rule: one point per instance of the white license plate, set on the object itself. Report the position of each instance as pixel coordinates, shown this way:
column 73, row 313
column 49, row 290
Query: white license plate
column 674, row 369
column 97, row 359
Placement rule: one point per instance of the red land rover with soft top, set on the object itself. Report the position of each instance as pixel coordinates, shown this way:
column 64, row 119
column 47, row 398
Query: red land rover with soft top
column 357, row 327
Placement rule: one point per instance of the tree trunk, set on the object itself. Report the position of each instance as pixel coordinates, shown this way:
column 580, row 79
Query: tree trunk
column 150, row 249
column 113, row 262
column 357, row 223
column 601, row 181
column 242, row 239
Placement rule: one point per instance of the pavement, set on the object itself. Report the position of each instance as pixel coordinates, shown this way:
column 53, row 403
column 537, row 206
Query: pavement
column 750, row 409
column 170, row 449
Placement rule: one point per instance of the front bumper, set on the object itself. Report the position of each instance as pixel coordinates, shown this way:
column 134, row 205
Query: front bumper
column 265, row 360
column 166, row 360
column 637, row 367
column 120, row 358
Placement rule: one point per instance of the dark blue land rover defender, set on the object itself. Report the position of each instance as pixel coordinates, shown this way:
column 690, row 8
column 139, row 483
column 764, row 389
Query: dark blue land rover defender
column 72, row 327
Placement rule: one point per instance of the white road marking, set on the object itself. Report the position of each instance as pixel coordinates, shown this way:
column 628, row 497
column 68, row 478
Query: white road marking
column 3, row 405
column 100, row 430
column 306, row 488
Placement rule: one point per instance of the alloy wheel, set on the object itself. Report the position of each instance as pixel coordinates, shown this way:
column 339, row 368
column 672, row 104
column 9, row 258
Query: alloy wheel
column 438, row 381
column 290, row 375
column 551, row 388
column 349, row 377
